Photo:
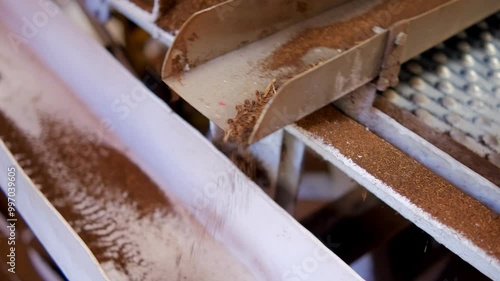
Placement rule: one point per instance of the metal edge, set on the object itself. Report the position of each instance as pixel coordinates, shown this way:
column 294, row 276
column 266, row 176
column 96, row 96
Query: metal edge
column 321, row 85
column 59, row 239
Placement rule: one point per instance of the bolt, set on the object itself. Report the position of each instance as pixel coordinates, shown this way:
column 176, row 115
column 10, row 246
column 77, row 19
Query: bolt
column 401, row 39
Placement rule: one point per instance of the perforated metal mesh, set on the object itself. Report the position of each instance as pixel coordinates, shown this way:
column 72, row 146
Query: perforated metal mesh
column 455, row 88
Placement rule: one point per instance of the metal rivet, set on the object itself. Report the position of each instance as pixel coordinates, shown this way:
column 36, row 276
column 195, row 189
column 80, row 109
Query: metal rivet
column 401, row 38
column 440, row 46
column 443, row 71
column 390, row 94
column 420, row 98
column 462, row 35
column 470, row 74
column 463, row 47
column 377, row 29
column 493, row 63
column 483, row 25
column 417, row 83
column 468, row 60
column 490, row 49
column 414, row 68
column 440, row 57
column 445, row 87
column 472, row 89
column 448, row 102
column 486, row 36
column 495, row 76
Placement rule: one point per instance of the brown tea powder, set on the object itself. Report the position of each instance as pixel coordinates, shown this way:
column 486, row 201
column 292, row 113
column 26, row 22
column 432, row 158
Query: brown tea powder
column 346, row 34
column 247, row 114
column 173, row 13
column 122, row 216
column 407, row 177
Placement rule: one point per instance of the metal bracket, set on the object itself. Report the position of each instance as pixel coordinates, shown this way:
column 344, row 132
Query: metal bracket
column 391, row 64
